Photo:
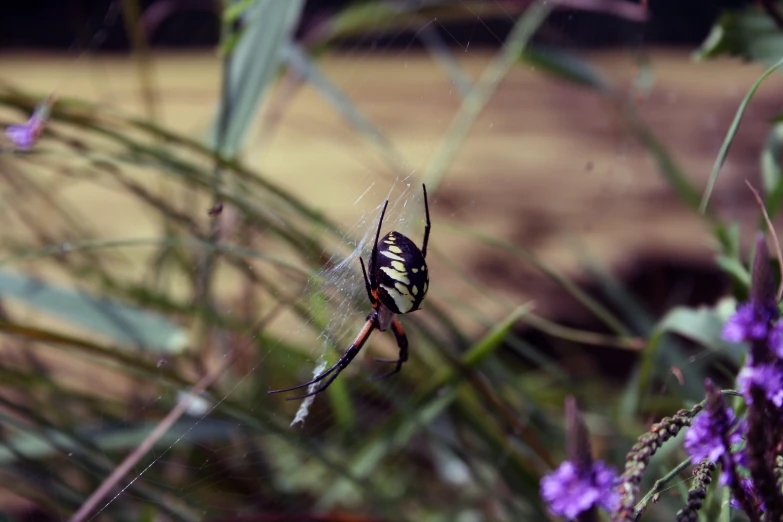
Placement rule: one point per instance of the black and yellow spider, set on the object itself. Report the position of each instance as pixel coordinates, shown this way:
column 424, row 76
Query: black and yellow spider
column 397, row 284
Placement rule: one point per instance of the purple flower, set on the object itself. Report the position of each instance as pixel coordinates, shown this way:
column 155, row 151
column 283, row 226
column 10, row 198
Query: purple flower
column 26, row 135
column 569, row 491
column 704, row 441
column 750, row 322
column 776, row 339
column 768, row 377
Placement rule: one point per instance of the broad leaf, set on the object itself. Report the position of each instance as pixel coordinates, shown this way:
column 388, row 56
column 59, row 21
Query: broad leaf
column 122, row 323
column 702, row 325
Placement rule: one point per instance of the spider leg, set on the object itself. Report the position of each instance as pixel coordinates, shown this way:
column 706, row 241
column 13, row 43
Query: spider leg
column 340, row 365
column 367, row 283
column 317, row 390
column 318, row 378
column 374, row 255
column 428, row 223
column 402, row 344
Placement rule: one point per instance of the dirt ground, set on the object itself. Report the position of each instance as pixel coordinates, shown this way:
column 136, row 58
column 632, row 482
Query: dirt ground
column 547, row 166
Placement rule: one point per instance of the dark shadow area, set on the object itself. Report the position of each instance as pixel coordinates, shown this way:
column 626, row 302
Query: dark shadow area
column 73, row 24
column 654, row 284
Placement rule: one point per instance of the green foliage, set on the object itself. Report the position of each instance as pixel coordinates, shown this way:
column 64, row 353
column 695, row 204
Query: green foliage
column 748, row 33
column 252, row 63
column 121, row 324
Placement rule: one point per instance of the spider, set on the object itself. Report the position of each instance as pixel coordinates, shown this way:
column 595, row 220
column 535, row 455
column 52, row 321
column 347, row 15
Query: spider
column 397, row 283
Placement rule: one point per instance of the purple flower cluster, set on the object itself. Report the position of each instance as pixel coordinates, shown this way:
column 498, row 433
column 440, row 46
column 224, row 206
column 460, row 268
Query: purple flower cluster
column 742, row 447
column 757, row 323
column 751, row 322
column 569, row 491
column 704, row 439
column 717, row 436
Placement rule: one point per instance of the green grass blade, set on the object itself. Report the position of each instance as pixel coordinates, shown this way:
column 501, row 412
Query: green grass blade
column 476, row 100
column 433, row 400
column 491, row 341
column 566, row 67
column 572, row 69
column 255, row 62
column 724, row 149
column 47, row 445
column 600, row 311
column 771, row 170
column 299, row 61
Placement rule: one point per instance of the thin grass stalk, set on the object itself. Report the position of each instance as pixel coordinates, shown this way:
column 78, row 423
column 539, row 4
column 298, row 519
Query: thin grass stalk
column 205, row 270
column 482, row 90
column 93, row 460
column 133, row 458
column 600, row 311
column 724, row 149
column 131, row 15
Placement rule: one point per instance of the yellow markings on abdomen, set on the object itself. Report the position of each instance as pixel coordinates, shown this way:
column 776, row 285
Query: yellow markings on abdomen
column 391, row 255
column 404, row 302
column 402, row 289
column 396, row 275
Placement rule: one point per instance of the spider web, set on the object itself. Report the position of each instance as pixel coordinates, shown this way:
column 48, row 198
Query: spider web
column 340, row 288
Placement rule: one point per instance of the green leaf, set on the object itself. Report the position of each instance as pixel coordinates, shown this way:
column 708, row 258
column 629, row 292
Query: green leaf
column 736, row 270
column 748, row 33
column 122, row 323
column 702, row 325
column 253, row 65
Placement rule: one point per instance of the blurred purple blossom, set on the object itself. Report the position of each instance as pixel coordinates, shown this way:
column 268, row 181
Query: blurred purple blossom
column 776, row 340
column 568, row 491
column 26, row 135
column 751, row 322
column 704, row 439
column 768, row 377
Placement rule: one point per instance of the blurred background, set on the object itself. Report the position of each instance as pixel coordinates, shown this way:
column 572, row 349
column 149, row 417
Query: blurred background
column 193, row 213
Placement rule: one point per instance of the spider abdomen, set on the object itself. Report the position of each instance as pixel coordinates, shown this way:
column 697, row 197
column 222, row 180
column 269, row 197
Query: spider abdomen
column 401, row 274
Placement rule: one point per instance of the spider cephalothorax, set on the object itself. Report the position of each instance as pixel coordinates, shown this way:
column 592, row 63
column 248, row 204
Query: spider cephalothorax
column 397, row 283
